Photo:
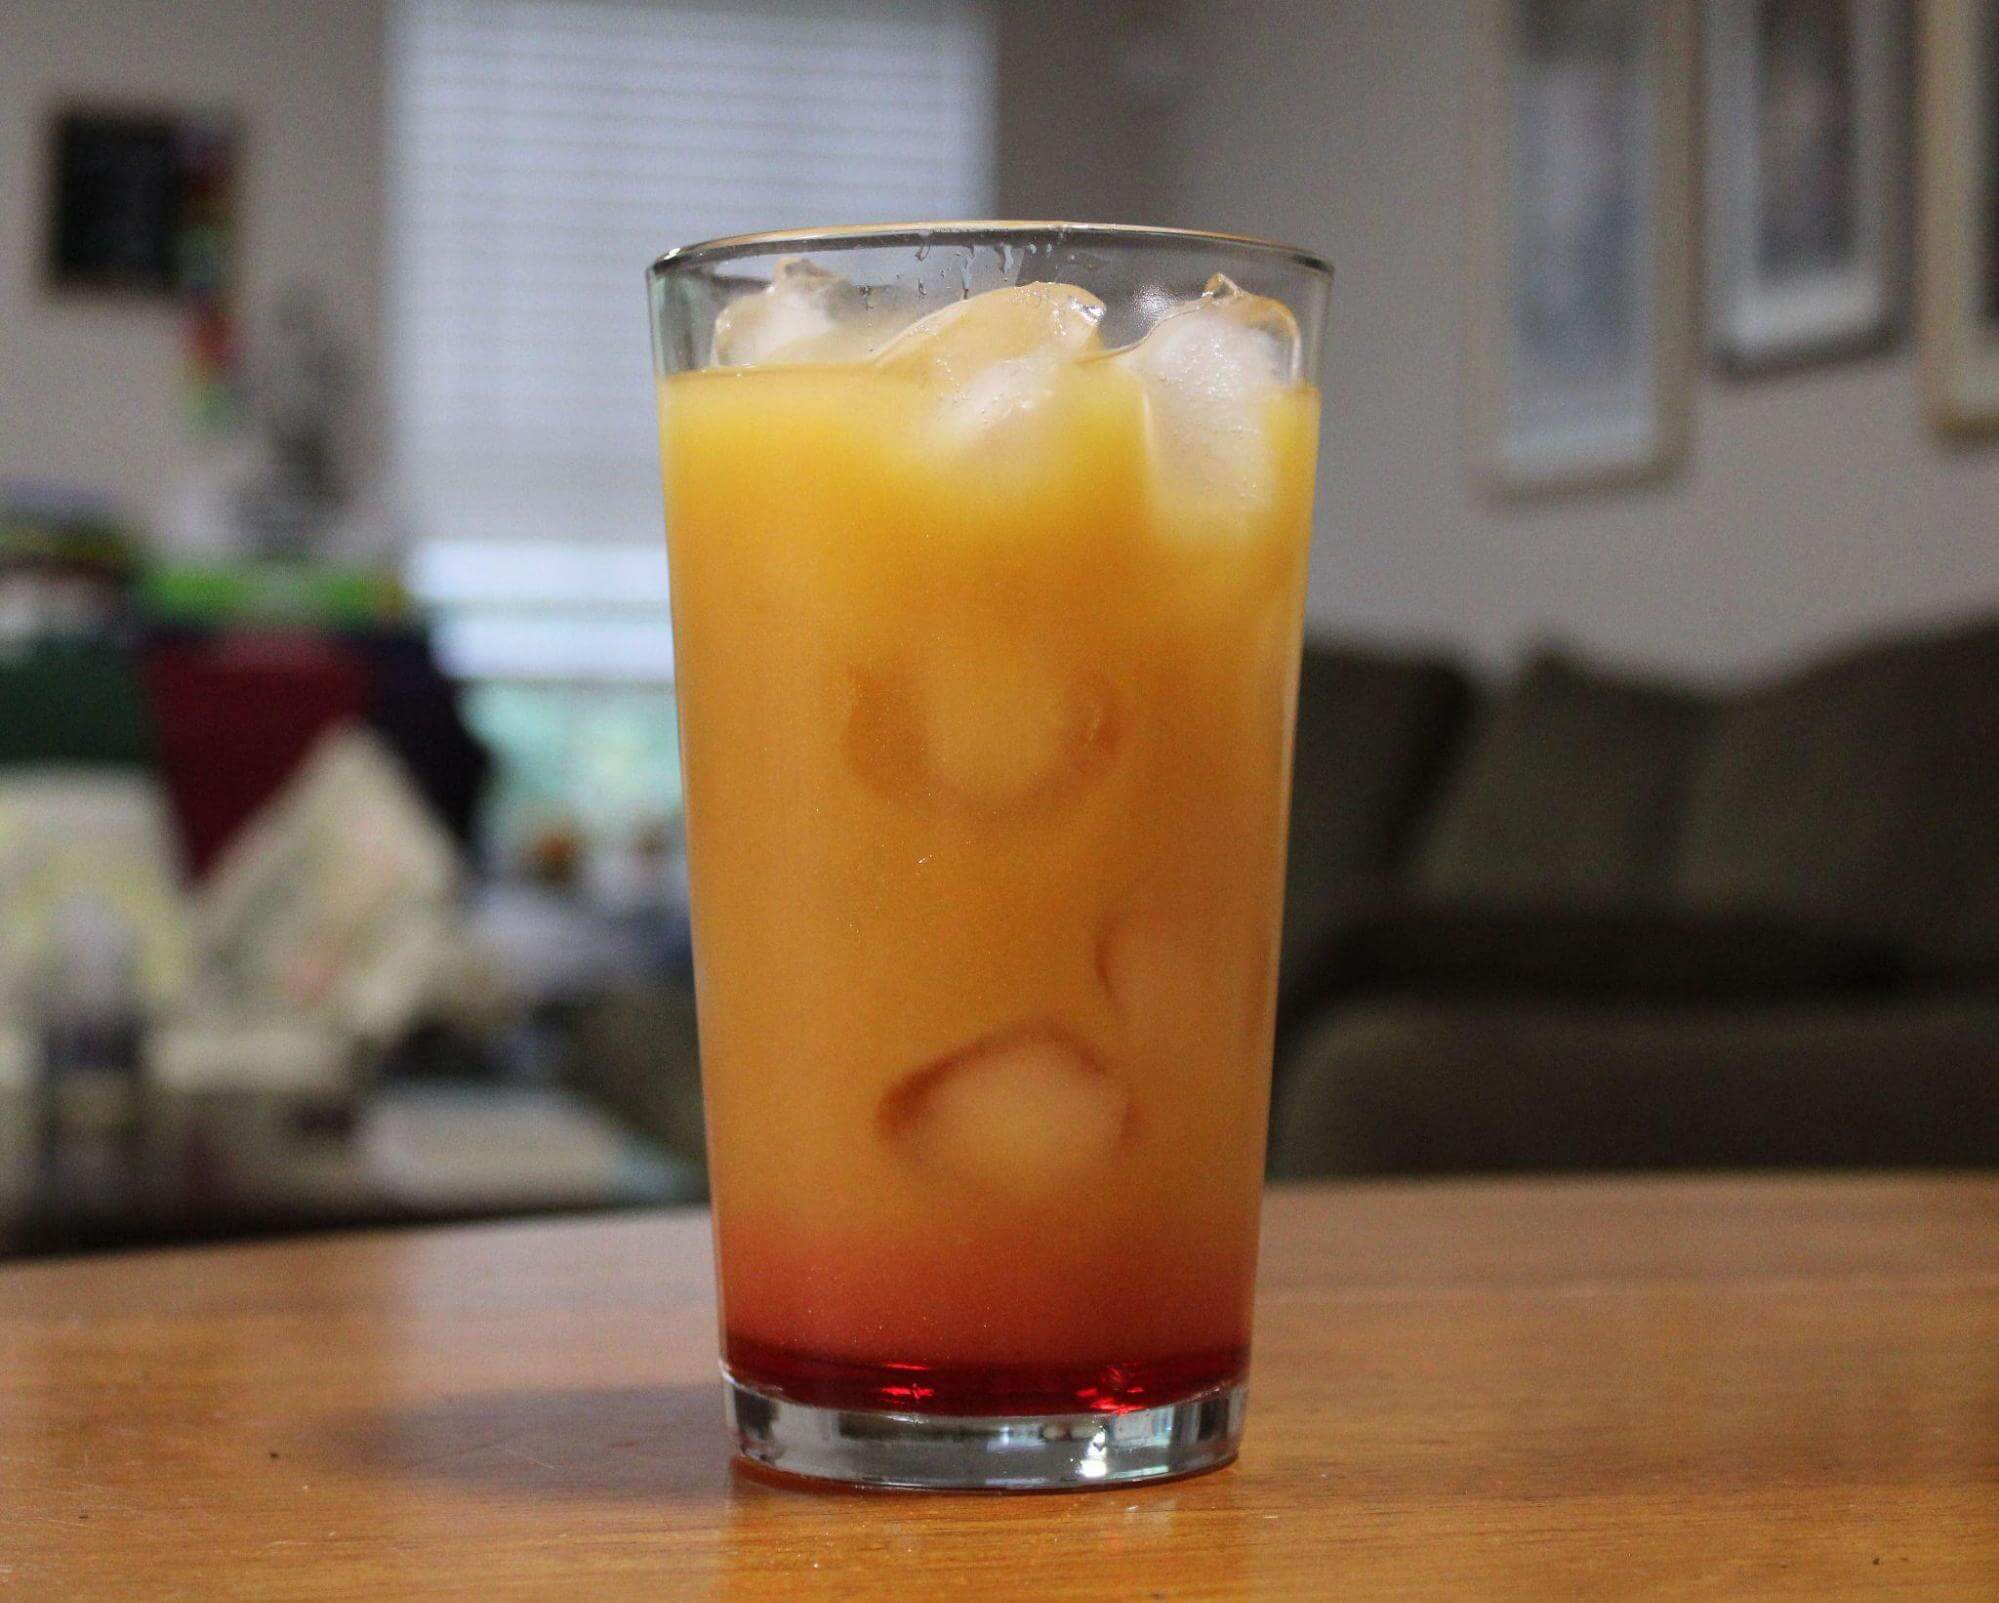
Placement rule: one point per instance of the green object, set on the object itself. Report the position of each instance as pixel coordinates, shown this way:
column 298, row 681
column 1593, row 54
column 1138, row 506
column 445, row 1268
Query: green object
column 273, row 594
column 73, row 703
column 1572, row 792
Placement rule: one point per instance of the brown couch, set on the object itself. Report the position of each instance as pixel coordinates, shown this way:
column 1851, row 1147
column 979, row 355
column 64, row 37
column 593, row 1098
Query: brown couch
column 1584, row 921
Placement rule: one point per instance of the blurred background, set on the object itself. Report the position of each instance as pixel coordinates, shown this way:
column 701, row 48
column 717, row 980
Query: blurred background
column 1648, row 774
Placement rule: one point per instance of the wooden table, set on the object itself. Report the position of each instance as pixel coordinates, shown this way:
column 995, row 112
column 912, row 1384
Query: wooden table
column 1663, row 1389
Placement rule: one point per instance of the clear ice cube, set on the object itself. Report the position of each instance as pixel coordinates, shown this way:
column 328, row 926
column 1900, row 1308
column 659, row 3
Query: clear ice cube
column 1209, row 370
column 1186, row 976
column 956, row 343
column 805, row 315
column 1021, row 1116
column 1000, row 726
column 994, row 357
column 980, row 727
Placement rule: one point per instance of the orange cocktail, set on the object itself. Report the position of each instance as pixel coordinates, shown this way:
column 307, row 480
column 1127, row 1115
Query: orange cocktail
column 987, row 640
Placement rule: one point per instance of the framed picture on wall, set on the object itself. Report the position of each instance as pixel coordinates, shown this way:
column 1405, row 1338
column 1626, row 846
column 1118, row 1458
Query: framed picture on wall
column 1959, row 233
column 1580, row 260
column 140, row 203
column 1806, row 152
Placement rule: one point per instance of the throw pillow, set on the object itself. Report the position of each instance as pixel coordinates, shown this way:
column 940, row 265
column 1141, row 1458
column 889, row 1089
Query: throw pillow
column 1863, row 791
column 1571, row 793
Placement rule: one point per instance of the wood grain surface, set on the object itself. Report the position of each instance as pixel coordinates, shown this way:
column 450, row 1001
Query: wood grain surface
column 1772, row 1389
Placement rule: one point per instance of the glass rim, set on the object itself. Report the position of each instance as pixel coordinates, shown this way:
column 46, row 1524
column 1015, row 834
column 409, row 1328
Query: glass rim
column 734, row 247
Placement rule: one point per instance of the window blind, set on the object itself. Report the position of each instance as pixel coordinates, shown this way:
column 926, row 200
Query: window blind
column 542, row 152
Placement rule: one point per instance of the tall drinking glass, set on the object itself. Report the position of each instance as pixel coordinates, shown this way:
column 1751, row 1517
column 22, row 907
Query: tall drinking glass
column 988, row 554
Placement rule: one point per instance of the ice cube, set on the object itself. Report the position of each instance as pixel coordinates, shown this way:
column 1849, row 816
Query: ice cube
column 956, row 343
column 981, row 726
column 1208, row 371
column 1185, row 975
column 1001, row 725
column 993, row 357
column 805, row 315
column 1021, row 1115
column 1140, row 963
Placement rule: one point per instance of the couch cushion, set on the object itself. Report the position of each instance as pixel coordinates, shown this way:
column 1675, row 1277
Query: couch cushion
column 1865, row 791
column 1374, row 733
column 1423, row 1087
column 1571, row 792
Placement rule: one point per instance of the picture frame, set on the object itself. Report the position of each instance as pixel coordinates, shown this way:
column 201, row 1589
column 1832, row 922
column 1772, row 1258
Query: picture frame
column 1958, row 215
column 1580, row 259
column 140, row 203
column 1806, row 156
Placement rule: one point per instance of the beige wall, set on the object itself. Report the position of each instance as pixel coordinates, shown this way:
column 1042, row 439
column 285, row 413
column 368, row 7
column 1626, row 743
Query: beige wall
column 1811, row 504
column 93, row 392
column 1083, row 119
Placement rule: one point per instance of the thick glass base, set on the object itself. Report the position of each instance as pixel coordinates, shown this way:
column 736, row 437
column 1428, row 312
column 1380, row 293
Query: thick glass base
column 1008, row 1452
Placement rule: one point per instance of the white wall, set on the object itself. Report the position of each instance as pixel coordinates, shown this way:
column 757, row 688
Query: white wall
column 93, row 392
column 1811, row 505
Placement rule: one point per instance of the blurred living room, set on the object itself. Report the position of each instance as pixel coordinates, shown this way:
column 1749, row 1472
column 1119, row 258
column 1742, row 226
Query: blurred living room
column 1646, row 807
column 1620, row 1218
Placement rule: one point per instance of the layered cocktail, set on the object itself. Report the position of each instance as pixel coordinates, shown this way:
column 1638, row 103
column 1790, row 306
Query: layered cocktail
column 986, row 629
